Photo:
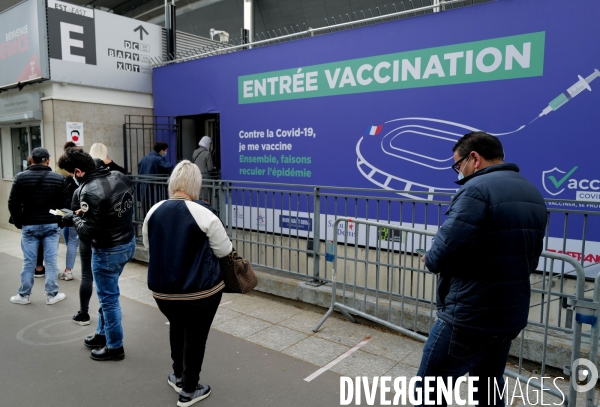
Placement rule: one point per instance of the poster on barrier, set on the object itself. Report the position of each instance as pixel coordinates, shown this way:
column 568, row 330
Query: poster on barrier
column 300, row 225
column 380, row 107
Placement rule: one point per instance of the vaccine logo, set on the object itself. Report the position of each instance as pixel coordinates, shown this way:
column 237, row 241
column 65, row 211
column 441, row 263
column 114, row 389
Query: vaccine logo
column 589, row 374
column 554, row 180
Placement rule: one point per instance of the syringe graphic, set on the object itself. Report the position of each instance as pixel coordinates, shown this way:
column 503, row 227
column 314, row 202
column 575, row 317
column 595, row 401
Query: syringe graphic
column 570, row 93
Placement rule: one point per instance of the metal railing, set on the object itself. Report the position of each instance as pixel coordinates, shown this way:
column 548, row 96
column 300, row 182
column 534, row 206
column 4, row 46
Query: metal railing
column 397, row 272
column 218, row 49
column 289, row 229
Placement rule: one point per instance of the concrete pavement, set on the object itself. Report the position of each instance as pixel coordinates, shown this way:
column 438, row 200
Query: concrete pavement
column 261, row 350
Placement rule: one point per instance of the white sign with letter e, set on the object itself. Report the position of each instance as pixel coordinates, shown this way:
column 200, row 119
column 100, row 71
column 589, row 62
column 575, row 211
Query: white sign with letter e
column 75, row 133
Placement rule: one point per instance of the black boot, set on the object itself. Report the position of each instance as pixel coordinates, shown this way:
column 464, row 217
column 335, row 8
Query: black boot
column 106, row 353
column 95, row 341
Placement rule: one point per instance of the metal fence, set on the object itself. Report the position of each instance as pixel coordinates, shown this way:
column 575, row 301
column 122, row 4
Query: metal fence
column 398, row 274
column 334, row 24
column 287, row 229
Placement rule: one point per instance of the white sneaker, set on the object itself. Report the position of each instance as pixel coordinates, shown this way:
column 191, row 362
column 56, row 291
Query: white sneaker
column 20, row 299
column 53, row 300
column 66, row 275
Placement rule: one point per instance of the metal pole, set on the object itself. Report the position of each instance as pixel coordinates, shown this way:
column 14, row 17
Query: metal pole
column 249, row 19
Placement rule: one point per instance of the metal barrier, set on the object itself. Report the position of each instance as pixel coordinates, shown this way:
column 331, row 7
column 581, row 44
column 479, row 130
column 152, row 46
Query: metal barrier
column 398, row 274
column 287, row 228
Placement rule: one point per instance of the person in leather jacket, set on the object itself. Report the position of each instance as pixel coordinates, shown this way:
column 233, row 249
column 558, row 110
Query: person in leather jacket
column 104, row 217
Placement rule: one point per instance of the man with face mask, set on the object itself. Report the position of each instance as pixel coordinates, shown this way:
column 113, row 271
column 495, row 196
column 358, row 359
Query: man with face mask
column 104, row 217
column 483, row 255
column 155, row 162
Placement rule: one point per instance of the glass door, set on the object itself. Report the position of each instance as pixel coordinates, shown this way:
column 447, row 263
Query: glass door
column 20, row 146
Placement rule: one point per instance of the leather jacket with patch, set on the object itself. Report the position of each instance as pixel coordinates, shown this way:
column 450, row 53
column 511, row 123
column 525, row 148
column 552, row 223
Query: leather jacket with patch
column 106, row 201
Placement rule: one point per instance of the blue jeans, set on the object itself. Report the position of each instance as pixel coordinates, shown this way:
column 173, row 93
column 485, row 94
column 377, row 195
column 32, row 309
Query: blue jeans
column 31, row 237
column 453, row 352
column 72, row 241
column 107, row 266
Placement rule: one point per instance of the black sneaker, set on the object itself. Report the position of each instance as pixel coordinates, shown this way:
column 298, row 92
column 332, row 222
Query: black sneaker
column 187, row 399
column 175, row 382
column 39, row 273
column 82, row 318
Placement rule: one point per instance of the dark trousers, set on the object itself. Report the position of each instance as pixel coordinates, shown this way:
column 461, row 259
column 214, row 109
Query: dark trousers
column 87, row 279
column 452, row 352
column 40, row 256
column 188, row 330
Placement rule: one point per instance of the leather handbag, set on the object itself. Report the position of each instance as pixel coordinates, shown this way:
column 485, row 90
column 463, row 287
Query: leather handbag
column 237, row 273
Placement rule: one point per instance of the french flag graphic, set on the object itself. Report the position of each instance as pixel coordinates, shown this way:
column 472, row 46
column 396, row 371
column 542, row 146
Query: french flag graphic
column 374, row 130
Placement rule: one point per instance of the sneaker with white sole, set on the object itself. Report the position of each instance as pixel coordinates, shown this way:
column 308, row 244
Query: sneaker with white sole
column 187, row 399
column 175, row 382
column 20, row 299
column 54, row 299
column 66, row 275
column 39, row 273
column 82, row 318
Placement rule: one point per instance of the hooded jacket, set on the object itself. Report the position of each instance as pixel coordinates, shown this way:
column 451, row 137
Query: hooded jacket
column 486, row 250
column 202, row 157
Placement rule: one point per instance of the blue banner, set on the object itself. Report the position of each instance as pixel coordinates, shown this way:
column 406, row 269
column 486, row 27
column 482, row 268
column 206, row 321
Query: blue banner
column 381, row 106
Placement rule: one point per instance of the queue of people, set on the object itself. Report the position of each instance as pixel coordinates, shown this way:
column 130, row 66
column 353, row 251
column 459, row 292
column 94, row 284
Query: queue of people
column 483, row 255
column 184, row 236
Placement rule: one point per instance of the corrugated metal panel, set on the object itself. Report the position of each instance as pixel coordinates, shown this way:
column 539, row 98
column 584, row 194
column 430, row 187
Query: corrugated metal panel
column 188, row 43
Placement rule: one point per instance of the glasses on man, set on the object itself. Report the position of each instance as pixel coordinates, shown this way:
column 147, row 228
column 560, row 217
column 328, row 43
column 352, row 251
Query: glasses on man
column 456, row 165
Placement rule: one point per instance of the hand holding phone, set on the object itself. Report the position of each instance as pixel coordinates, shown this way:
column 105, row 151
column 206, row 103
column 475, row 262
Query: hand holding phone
column 422, row 252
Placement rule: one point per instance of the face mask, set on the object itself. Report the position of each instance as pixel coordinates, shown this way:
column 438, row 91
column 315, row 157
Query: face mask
column 460, row 174
column 164, row 154
column 75, row 179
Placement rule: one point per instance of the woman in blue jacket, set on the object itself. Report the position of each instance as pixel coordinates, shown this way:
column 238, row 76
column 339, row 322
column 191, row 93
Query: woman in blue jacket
column 185, row 239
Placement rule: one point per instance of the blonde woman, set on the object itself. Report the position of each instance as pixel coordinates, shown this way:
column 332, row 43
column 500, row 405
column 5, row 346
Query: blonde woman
column 99, row 150
column 185, row 239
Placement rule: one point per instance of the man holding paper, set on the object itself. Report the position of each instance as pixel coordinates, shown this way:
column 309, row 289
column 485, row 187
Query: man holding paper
column 35, row 192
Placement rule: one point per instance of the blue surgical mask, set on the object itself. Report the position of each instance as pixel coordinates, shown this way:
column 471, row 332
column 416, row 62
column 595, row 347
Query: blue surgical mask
column 76, row 182
column 460, row 174
column 164, row 154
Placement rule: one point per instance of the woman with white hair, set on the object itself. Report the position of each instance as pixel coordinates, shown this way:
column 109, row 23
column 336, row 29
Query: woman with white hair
column 203, row 159
column 99, row 150
column 185, row 239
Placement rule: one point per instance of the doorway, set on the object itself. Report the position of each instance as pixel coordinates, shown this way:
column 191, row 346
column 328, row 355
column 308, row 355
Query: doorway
column 193, row 128
column 24, row 140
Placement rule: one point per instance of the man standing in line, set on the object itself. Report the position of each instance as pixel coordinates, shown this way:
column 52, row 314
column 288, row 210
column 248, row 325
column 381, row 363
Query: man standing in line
column 34, row 193
column 483, row 254
column 105, row 218
column 155, row 162
column 151, row 192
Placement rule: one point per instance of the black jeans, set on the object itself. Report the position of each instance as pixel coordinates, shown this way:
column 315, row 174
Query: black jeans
column 188, row 330
column 87, row 279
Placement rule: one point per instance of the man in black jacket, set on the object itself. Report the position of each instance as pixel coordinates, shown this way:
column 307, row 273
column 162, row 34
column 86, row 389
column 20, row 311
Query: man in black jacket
column 483, row 254
column 104, row 217
column 35, row 192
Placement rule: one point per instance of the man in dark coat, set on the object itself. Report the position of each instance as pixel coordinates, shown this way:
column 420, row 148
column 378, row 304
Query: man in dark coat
column 35, row 192
column 155, row 162
column 483, row 255
column 151, row 166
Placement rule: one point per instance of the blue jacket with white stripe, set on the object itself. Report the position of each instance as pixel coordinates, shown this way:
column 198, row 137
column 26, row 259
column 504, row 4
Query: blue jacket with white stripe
column 185, row 239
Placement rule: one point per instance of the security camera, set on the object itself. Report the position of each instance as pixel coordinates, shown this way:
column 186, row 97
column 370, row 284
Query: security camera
column 223, row 35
